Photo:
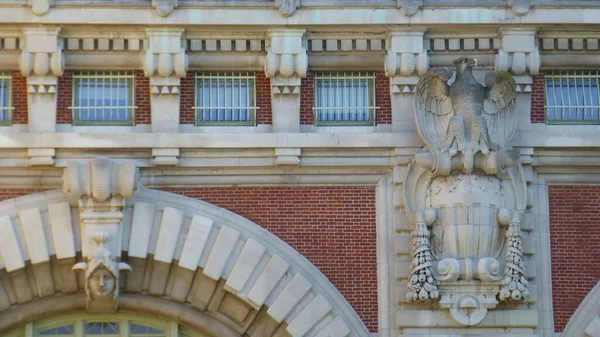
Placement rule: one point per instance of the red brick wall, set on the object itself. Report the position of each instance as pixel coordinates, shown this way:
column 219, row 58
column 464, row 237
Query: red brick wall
column 307, row 99
column 333, row 227
column 64, row 98
column 382, row 99
column 575, row 247
column 263, row 99
column 9, row 193
column 19, row 98
column 187, row 99
column 537, row 99
column 143, row 114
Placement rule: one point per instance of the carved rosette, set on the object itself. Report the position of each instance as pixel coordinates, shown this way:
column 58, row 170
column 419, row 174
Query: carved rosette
column 465, row 197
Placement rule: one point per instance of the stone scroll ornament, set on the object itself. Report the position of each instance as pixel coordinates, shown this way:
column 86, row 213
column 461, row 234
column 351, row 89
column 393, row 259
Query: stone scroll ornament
column 102, row 275
column 465, row 192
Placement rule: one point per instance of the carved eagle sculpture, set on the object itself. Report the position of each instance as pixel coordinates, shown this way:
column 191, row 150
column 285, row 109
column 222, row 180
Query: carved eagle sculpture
column 465, row 117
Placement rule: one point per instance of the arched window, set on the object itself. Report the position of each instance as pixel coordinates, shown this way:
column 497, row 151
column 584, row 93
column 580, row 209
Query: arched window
column 87, row 325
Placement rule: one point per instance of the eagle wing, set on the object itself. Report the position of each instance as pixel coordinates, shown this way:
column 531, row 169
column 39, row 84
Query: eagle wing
column 433, row 108
column 499, row 107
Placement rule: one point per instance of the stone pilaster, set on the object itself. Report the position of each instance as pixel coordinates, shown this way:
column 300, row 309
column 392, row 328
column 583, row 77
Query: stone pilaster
column 165, row 64
column 286, row 65
column 405, row 61
column 42, row 63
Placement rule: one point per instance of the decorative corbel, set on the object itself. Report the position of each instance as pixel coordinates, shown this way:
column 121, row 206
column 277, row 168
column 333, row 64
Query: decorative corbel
column 409, row 7
column 520, row 53
column 287, row 61
column 520, row 7
column 287, row 7
column 100, row 187
column 166, row 61
column 164, row 7
column 405, row 60
column 41, row 59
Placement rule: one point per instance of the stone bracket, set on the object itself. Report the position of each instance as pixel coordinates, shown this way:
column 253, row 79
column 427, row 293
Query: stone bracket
column 287, row 7
column 165, row 157
column 166, row 56
column 41, row 157
column 287, row 156
column 406, row 55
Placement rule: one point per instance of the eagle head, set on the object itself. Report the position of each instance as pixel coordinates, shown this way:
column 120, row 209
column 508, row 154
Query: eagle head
column 464, row 63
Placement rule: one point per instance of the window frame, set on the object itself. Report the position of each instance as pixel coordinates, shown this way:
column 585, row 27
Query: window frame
column 129, row 76
column 567, row 75
column 250, row 77
column 6, row 76
column 171, row 328
column 372, row 107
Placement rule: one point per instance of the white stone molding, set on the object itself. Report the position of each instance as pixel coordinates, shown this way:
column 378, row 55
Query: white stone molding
column 585, row 322
column 331, row 43
column 41, row 62
column 220, row 264
column 287, row 156
column 165, row 64
column 409, row 7
column 164, row 7
column 287, row 7
column 519, row 54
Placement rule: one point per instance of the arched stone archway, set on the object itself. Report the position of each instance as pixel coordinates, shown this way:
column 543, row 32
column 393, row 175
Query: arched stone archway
column 187, row 258
column 586, row 319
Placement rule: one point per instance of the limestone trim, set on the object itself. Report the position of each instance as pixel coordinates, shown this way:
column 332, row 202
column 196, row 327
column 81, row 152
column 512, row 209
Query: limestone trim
column 585, row 322
column 212, row 260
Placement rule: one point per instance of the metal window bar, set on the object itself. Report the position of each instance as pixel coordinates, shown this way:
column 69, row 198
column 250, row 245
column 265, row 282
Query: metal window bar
column 572, row 97
column 6, row 107
column 346, row 98
column 227, row 98
column 104, row 98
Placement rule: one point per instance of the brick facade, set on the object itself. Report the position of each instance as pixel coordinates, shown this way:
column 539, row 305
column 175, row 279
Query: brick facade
column 143, row 113
column 575, row 247
column 382, row 99
column 264, row 115
column 9, row 193
column 187, row 99
column 307, row 99
column 64, row 98
column 19, row 98
column 333, row 227
column 537, row 99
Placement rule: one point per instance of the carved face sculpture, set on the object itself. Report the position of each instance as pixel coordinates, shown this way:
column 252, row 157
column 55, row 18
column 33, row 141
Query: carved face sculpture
column 102, row 283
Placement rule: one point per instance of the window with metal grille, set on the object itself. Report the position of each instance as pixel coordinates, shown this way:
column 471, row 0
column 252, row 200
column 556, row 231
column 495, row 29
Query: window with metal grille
column 226, row 98
column 103, row 98
column 345, row 98
column 5, row 98
column 572, row 97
